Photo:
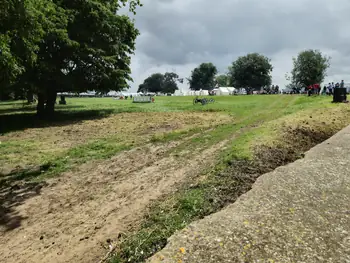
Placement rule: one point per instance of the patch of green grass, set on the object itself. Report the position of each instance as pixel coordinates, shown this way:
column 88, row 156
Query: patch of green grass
column 94, row 150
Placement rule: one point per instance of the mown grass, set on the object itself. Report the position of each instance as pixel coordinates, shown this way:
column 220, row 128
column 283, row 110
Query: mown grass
column 237, row 105
column 247, row 111
column 250, row 154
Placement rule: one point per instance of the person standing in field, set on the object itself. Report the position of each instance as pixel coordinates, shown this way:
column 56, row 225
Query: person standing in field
column 317, row 89
column 330, row 89
column 342, row 84
column 309, row 90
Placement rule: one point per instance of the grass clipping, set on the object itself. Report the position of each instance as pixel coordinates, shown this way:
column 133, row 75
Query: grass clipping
column 271, row 145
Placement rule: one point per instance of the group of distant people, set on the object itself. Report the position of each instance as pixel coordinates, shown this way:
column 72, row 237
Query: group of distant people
column 329, row 89
column 274, row 89
column 315, row 89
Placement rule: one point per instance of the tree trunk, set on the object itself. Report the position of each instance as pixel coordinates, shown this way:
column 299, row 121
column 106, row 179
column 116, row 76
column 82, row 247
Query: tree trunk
column 50, row 102
column 40, row 108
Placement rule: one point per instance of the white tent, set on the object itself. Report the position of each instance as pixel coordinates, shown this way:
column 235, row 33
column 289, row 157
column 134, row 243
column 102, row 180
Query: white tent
column 178, row 93
column 193, row 93
column 231, row 90
column 203, row 93
column 223, row 91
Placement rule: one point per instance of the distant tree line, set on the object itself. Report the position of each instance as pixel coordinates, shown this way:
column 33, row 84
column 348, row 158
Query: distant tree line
column 250, row 72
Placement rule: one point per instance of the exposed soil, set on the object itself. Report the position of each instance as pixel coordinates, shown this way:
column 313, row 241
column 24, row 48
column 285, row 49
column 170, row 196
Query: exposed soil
column 75, row 215
column 238, row 178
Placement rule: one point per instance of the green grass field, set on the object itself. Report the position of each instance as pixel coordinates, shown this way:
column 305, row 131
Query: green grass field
column 20, row 146
column 211, row 153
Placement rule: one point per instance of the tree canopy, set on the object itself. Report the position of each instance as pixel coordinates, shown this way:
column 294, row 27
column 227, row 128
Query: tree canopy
column 63, row 45
column 203, row 77
column 222, row 80
column 251, row 72
column 159, row 83
column 310, row 67
column 21, row 29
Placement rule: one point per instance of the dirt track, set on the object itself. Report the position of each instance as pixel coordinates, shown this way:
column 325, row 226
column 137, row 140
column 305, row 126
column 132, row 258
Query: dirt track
column 74, row 215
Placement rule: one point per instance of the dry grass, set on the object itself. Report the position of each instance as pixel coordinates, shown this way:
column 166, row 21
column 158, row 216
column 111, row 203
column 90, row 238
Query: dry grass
column 33, row 146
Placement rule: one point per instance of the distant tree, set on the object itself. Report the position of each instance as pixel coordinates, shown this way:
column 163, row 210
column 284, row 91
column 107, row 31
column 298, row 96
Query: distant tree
column 203, row 77
column 142, row 88
column 153, row 83
column 222, row 80
column 169, row 84
column 310, row 67
column 251, row 72
column 159, row 83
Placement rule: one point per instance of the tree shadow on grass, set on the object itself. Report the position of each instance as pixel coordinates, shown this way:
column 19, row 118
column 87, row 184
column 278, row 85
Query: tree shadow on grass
column 12, row 196
column 32, row 108
column 24, row 120
column 15, row 188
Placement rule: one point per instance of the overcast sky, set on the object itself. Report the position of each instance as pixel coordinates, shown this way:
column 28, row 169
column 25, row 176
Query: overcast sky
column 178, row 35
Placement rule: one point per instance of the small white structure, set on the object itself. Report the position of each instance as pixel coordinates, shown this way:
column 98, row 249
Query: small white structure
column 223, row 91
column 192, row 93
column 178, row 93
column 142, row 99
column 241, row 91
column 203, row 93
column 232, row 90
column 112, row 94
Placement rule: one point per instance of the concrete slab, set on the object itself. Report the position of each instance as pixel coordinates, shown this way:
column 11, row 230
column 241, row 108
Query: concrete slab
column 297, row 213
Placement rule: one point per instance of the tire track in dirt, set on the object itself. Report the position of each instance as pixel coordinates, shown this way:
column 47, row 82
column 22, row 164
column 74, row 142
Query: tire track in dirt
column 79, row 211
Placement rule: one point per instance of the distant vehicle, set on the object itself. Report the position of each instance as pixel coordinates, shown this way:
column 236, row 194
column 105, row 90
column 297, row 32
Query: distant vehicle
column 241, row 92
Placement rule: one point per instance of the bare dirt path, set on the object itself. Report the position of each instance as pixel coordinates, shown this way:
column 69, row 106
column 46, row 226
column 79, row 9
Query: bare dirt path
column 72, row 218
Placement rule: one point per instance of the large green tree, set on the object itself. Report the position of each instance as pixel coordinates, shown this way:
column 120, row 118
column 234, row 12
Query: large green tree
column 310, row 67
column 159, row 83
column 83, row 45
column 251, row 72
column 170, row 82
column 222, row 80
column 21, row 29
column 203, row 77
column 153, row 83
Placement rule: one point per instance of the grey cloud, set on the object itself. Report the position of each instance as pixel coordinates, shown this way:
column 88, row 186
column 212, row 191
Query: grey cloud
column 225, row 27
column 180, row 32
